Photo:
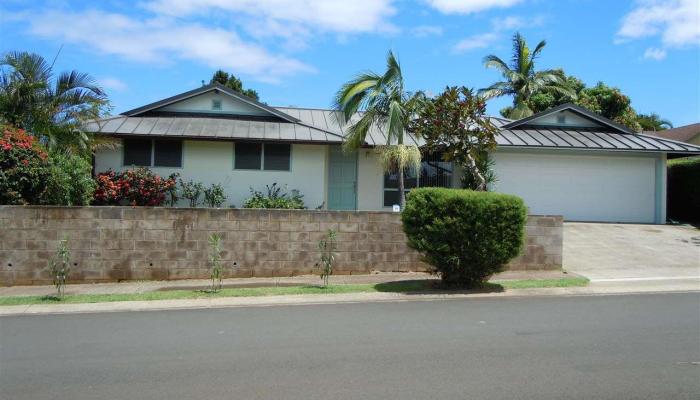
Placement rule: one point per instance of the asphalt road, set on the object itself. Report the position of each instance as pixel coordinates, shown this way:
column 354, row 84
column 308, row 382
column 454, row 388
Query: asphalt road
column 602, row 347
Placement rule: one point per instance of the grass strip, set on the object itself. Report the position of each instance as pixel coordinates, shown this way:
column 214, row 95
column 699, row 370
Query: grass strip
column 416, row 286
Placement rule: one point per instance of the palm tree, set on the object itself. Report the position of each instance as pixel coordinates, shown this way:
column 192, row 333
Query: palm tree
column 521, row 80
column 51, row 108
column 381, row 102
column 653, row 122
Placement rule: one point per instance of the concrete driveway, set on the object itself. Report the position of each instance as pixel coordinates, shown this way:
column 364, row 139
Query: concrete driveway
column 621, row 252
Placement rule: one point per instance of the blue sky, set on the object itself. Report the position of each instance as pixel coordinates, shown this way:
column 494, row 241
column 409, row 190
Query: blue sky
column 298, row 52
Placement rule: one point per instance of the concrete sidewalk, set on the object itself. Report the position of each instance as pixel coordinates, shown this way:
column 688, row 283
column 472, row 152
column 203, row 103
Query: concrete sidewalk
column 151, row 286
column 595, row 289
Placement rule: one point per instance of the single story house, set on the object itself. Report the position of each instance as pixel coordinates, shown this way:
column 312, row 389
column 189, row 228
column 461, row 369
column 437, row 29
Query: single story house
column 565, row 161
column 687, row 133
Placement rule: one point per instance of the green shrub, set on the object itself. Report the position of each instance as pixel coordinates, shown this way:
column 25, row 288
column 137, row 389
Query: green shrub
column 70, row 181
column 684, row 189
column 214, row 196
column 275, row 198
column 466, row 236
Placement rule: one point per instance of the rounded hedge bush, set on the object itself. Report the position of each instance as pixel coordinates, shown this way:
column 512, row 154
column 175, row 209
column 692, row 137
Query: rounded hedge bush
column 466, row 236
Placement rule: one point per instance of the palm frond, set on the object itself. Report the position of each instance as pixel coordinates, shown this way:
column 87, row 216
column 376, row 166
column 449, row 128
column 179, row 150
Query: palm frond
column 491, row 61
column 354, row 94
column 538, row 49
column 399, row 157
column 356, row 134
column 498, row 89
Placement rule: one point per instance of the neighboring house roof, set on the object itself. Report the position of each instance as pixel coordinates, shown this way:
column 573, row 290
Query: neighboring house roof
column 681, row 134
column 309, row 125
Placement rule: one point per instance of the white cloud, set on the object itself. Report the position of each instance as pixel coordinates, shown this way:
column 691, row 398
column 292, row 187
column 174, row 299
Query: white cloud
column 426, row 30
column 250, row 37
column 479, row 41
column 163, row 40
column 677, row 22
column 112, row 83
column 498, row 27
column 654, row 54
column 468, row 6
column 512, row 23
column 334, row 16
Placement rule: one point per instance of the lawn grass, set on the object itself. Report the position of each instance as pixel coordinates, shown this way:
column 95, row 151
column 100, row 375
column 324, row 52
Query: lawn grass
column 415, row 286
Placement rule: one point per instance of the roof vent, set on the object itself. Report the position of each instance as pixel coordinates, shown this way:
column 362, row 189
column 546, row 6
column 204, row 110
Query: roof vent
column 561, row 119
column 216, row 105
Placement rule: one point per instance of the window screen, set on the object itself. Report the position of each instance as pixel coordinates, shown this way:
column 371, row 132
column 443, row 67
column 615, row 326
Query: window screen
column 137, row 152
column 247, row 155
column 167, row 153
column 277, row 157
column 434, row 172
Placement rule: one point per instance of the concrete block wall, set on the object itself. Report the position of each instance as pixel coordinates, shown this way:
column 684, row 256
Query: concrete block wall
column 125, row 243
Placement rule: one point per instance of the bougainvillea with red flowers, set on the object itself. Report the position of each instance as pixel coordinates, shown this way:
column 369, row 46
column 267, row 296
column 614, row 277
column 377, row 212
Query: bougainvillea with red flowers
column 24, row 167
column 137, row 187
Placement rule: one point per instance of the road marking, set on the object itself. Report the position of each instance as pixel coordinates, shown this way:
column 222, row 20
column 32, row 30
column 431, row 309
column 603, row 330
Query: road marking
column 651, row 278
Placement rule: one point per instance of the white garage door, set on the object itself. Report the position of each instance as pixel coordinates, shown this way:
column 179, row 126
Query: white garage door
column 610, row 188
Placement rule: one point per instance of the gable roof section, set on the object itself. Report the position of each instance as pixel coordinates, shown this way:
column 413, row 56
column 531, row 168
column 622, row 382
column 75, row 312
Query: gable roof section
column 572, row 108
column 205, row 89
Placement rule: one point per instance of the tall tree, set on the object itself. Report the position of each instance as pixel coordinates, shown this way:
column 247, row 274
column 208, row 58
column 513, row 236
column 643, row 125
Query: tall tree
column 653, row 122
column 521, row 80
column 232, row 82
column 455, row 123
column 52, row 108
column 384, row 104
column 605, row 100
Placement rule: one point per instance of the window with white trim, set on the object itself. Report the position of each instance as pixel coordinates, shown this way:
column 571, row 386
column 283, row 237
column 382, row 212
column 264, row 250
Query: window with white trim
column 152, row 152
column 262, row 156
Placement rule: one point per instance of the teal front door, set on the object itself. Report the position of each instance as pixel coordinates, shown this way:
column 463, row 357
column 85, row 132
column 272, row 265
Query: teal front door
column 342, row 179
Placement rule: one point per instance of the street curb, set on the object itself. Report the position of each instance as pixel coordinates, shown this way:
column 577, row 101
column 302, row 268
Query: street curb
column 319, row 299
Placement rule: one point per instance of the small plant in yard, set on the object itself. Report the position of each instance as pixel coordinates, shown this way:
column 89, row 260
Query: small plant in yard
column 217, row 268
column 214, row 196
column 191, row 191
column 59, row 266
column 171, row 193
column 327, row 247
column 275, row 198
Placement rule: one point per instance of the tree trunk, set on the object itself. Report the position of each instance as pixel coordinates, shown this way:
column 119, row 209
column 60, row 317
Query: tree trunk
column 481, row 181
column 402, row 194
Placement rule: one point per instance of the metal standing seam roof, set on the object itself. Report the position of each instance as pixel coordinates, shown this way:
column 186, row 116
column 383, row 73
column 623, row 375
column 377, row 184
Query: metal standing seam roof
column 589, row 139
column 322, row 126
column 211, row 128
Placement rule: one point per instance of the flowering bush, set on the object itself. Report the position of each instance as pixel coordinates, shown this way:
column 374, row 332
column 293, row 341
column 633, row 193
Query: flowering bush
column 137, row 187
column 24, row 167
